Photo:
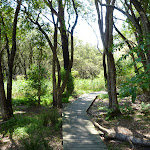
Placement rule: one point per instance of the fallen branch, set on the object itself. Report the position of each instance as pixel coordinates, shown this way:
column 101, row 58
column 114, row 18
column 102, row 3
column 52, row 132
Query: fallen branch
column 109, row 135
column 91, row 104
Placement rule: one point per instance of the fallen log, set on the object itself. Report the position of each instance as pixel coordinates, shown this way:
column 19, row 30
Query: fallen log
column 109, row 135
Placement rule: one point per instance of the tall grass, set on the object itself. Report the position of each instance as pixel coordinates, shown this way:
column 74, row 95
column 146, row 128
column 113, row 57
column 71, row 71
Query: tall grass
column 88, row 85
column 20, row 89
column 23, row 94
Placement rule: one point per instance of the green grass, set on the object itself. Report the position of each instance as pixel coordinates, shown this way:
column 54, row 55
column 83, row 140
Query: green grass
column 103, row 96
column 23, row 94
column 88, row 85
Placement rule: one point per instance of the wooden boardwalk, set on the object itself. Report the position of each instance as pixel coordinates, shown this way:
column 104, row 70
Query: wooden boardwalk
column 78, row 131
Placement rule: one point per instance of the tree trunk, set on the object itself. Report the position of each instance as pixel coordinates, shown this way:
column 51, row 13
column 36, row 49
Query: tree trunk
column 4, row 108
column 105, row 68
column 54, row 80
column 9, row 89
column 39, row 96
column 107, row 39
column 11, row 61
column 63, row 33
column 112, row 82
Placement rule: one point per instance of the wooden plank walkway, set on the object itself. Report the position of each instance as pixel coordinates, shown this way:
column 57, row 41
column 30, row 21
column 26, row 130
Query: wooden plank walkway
column 78, row 131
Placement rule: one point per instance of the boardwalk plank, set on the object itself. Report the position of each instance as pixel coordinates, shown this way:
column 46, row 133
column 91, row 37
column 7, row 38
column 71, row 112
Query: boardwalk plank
column 78, row 131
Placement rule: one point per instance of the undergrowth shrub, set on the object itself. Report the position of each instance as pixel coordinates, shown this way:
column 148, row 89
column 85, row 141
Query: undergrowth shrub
column 126, row 109
column 35, row 143
column 69, row 88
column 36, row 84
column 22, row 126
column 145, row 108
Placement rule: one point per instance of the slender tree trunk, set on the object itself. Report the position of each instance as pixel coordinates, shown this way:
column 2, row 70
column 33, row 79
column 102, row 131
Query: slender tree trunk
column 105, row 67
column 107, row 39
column 64, row 37
column 30, row 55
column 39, row 95
column 4, row 108
column 9, row 89
column 112, row 82
column 54, row 81
column 11, row 61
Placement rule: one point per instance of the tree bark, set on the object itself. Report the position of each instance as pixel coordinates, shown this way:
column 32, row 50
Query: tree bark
column 58, row 85
column 4, row 108
column 107, row 40
column 11, row 60
column 63, row 33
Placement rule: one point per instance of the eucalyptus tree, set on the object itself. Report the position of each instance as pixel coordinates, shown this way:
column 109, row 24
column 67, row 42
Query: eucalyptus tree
column 138, row 16
column 106, row 31
column 53, row 12
column 8, row 38
column 137, row 13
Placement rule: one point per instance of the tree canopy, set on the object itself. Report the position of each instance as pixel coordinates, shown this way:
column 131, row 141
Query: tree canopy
column 41, row 33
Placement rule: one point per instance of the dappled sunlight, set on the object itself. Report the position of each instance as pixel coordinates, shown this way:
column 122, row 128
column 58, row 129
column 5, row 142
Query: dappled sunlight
column 19, row 112
column 30, row 126
column 133, row 123
column 124, row 130
column 78, row 130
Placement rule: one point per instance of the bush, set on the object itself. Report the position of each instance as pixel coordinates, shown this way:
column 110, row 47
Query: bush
column 35, row 143
column 52, row 117
column 36, row 77
column 69, row 88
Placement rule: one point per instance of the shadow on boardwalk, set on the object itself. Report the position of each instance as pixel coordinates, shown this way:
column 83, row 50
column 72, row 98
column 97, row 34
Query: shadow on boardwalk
column 78, row 131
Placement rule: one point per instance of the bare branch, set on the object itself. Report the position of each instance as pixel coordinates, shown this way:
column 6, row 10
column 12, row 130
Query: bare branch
column 76, row 20
column 131, row 18
column 96, row 37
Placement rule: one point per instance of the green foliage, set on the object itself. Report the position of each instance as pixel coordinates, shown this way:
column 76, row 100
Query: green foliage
column 103, row 96
column 145, row 108
column 35, row 143
column 18, row 87
column 69, row 88
column 28, row 101
column 87, row 60
column 128, row 89
column 124, row 70
column 32, row 131
column 88, row 85
column 134, row 85
column 36, row 76
column 126, row 109
column 53, row 117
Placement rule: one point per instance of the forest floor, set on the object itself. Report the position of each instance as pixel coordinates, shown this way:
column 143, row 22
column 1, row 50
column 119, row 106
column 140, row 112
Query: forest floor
column 29, row 123
column 134, row 121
